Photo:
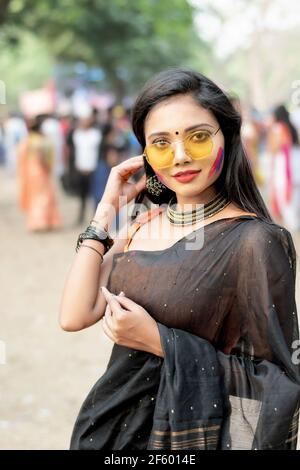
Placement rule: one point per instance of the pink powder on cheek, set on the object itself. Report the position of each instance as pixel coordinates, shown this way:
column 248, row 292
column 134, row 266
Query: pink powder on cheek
column 217, row 163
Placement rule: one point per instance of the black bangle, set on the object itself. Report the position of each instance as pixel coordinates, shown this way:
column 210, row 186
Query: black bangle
column 92, row 248
column 89, row 236
column 96, row 234
column 100, row 232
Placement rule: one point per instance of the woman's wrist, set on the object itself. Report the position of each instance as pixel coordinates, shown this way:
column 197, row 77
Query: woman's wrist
column 155, row 341
column 105, row 214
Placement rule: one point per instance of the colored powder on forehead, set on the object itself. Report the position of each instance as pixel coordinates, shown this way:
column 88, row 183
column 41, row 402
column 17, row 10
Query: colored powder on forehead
column 218, row 162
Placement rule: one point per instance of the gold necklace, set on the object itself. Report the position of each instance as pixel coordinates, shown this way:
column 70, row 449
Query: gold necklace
column 219, row 202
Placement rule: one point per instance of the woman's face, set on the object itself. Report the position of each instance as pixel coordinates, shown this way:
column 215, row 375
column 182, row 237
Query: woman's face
column 171, row 119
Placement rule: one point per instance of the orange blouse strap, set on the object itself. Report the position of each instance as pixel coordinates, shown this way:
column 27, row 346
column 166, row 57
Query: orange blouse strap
column 140, row 220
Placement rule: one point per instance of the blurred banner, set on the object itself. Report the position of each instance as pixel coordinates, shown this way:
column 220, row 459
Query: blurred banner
column 35, row 102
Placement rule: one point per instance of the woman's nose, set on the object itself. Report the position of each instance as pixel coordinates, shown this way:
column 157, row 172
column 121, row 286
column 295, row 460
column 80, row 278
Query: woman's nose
column 179, row 153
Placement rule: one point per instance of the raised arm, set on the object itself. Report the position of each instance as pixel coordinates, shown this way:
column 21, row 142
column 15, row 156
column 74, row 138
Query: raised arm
column 82, row 303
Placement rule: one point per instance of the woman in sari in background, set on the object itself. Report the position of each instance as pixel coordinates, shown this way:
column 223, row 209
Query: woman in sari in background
column 36, row 195
column 282, row 137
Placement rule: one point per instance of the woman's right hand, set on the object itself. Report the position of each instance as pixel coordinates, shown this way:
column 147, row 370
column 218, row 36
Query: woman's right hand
column 117, row 184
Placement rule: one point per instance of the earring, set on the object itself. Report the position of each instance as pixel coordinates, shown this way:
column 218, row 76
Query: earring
column 154, row 186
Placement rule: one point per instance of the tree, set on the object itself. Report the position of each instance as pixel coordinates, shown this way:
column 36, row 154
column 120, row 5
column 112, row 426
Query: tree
column 3, row 10
column 129, row 40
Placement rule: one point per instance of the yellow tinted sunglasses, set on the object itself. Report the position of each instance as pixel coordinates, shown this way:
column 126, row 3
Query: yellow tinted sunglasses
column 197, row 144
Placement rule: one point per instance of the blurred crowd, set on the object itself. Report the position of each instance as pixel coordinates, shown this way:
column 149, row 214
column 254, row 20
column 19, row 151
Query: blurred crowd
column 271, row 141
column 78, row 151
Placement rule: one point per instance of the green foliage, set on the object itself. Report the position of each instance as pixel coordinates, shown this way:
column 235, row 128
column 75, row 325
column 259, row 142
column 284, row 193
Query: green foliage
column 129, row 39
column 27, row 66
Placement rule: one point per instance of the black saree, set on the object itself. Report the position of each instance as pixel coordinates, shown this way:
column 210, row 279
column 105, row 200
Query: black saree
column 228, row 324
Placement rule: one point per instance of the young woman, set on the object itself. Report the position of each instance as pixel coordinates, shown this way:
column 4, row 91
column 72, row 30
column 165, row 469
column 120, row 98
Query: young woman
column 198, row 295
column 36, row 190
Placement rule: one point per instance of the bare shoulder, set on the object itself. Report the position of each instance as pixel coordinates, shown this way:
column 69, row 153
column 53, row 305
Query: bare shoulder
column 232, row 210
column 147, row 223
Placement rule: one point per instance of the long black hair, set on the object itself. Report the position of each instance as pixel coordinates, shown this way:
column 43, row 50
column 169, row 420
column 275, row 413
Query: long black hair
column 281, row 114
column 236, row 179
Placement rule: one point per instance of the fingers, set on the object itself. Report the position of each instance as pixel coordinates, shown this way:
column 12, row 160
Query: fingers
column 112, row 300
column 134, row 161
column 109, row 323
column 125, row 302
column 121, row 300
column 108, row 312
column 137, row 157
column 130, row 166
column 107, row 330
column 109, row 318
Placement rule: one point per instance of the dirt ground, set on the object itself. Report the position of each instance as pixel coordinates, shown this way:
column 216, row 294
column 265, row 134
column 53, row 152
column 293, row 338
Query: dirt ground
column 45, row 373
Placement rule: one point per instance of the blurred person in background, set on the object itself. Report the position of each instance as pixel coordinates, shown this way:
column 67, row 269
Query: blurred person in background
column 295, row 120
column 101, row 173
column 134, row 145
column 66, row 123
column 70, row 176
column 114, row 148
column 282, row 139
column 14, row 132
column 51, row 127
column 121, row 135
column 250, row 137
column 86, row 139
column 36, row 197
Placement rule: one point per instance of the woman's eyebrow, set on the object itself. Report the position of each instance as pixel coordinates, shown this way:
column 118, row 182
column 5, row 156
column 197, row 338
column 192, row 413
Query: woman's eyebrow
column 196, row 126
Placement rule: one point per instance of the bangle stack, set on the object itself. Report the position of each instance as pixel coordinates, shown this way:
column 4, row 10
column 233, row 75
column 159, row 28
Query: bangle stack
column 98, row 233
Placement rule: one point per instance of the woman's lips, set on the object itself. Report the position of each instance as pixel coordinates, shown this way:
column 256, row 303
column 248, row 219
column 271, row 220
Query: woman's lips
column 187, row 177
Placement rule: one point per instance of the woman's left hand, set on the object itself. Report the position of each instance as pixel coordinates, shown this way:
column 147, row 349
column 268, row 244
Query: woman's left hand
column 128, row 324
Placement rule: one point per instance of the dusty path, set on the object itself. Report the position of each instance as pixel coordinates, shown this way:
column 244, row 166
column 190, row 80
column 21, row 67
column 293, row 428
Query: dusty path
column 48, row 372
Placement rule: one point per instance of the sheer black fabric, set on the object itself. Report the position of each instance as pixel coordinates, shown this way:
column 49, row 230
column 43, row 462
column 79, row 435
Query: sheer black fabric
column 234, row 295
column 208, row 400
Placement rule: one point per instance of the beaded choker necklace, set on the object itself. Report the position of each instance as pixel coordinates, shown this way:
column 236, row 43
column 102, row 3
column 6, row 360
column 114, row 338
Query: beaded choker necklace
column 218, row 203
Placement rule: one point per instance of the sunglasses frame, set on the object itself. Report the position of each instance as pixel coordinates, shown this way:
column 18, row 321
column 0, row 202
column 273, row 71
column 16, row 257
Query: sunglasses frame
column 180, row 141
